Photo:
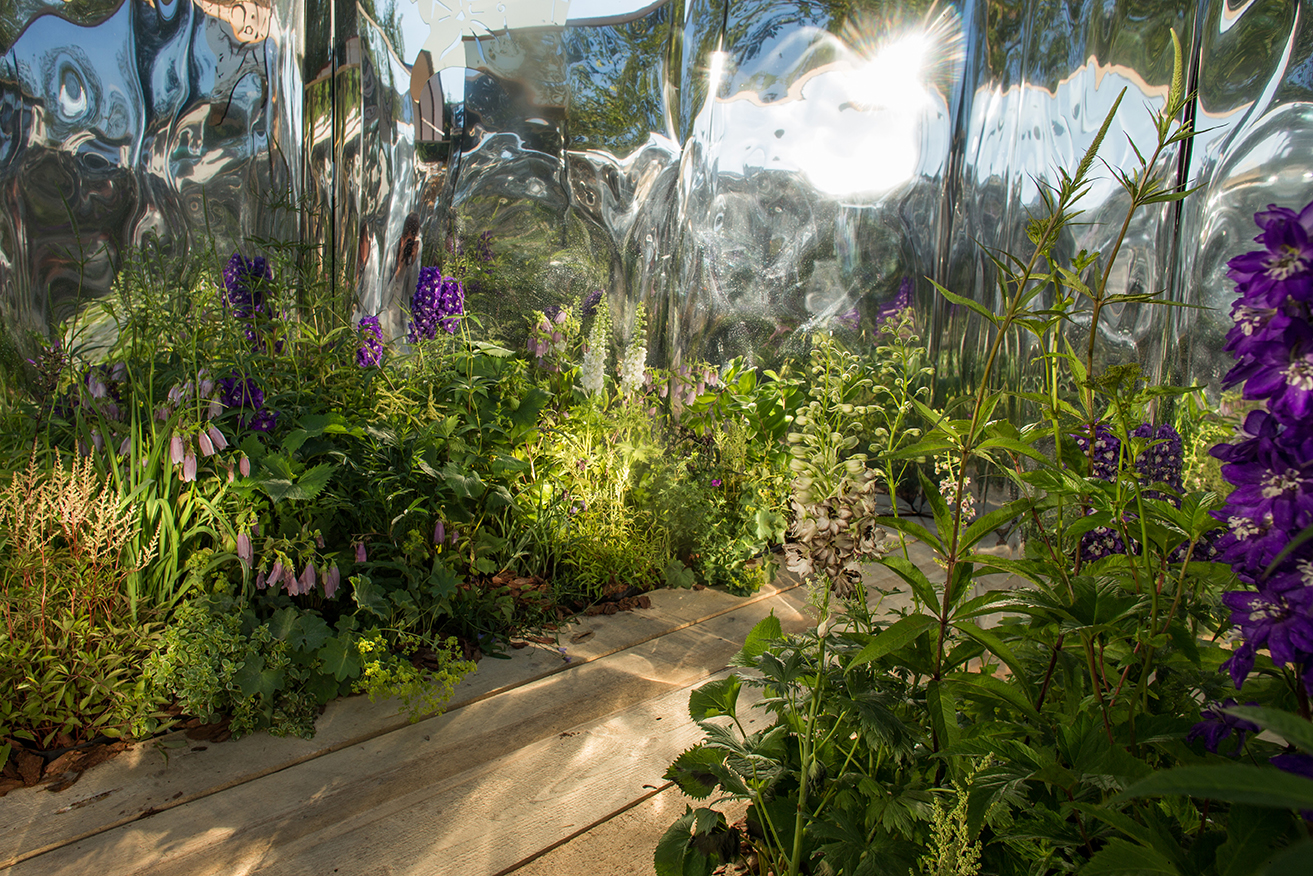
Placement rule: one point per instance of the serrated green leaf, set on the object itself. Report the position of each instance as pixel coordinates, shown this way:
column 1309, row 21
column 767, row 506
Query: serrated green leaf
column 1251, row 835
column 915, row 578
column 766, row 631
column 676, row 854
column 943, row 712
column 972, row 304
column 698, row 771
column 719, row 697
column 1290, row 860
column 899, row 634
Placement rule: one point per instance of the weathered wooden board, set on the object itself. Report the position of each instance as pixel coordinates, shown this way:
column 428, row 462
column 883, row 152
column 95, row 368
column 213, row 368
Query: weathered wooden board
column 152, row 777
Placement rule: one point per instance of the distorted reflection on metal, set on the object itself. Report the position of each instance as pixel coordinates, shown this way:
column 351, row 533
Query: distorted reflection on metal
column 751, row 170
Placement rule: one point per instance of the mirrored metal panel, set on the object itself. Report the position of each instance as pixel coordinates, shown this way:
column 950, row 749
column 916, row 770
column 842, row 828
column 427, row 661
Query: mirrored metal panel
column 750, row 170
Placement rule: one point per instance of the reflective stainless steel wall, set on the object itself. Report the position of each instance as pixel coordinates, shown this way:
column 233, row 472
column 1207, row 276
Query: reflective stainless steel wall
column 170, row 118
column 749, row 170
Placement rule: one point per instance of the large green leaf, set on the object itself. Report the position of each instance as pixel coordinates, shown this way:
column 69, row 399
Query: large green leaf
column 1251, row 834
column 1291, row 860
column 691, row 846
column 698, row 771
column 995, row 688
column 999, row 649
column 914, row 529
column 719, row 697
column 254, row 679
column 1122, row 858
column 766, row 631
column 900, row 633
column 943, row 712
column 369, row 596
column 915, row 578
column 1292, row 728
column 1233, row 782
column 339, row 657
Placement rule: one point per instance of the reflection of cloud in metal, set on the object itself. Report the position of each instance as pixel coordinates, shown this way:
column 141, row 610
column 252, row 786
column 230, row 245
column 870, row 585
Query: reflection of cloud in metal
column 452, row 21
column 884, row 93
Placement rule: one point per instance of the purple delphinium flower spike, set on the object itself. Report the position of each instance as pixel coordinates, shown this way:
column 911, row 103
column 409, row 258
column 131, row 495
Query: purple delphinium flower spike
column 1270, row 462
column 438, row 303
column 370, row 352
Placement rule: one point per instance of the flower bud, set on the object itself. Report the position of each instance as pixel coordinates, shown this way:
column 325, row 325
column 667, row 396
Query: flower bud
column 175, row 449
column 332, row 578
column 244, row 551
column 439, row 533
column 205, row 444
column 361, row 556
column 244, row 466
column 216, row 438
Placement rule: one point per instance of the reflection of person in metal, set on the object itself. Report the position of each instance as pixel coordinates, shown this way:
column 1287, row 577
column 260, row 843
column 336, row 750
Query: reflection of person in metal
column 402, row 278
column 249, row 19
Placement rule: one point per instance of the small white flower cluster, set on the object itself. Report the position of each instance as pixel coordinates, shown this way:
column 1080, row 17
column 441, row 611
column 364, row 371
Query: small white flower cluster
column 634, row 364
column 948, row 487
column 593, row 371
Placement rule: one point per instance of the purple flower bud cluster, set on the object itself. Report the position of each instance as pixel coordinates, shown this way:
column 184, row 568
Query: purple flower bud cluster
column 49, row 363
column 483, row 249
column 1270, row 463
column 244, row 393
column 547, row 338
column 1160, row 463
column 891, row 311
column 245, row 283
column 370, row 352
column 438, row 302
column 591, row 302
column 284, row 576
column 245, row 289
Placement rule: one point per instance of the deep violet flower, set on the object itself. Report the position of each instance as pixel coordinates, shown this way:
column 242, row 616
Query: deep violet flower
column 263, row 420
column 590, row 303
column 438, row 303
column 1270, row 462
column 1284, row 269
column 245, row 283
column 370, row 352
column 1217, row 725
column 239, row 392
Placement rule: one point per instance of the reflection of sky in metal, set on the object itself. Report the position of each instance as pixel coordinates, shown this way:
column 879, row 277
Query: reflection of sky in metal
column 439, row 26
column 860, row 125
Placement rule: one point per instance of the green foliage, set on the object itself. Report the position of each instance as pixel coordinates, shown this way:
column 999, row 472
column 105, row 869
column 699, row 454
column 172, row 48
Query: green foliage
column 216, row 659
column 1057, row 709
column 69, row 647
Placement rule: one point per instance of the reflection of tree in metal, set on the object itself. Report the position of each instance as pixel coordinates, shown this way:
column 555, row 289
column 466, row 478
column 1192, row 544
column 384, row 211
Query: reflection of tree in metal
column 249, row 19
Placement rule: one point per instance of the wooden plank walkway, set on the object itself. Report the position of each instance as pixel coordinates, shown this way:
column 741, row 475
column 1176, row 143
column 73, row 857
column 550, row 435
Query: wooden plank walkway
column 534, row 750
